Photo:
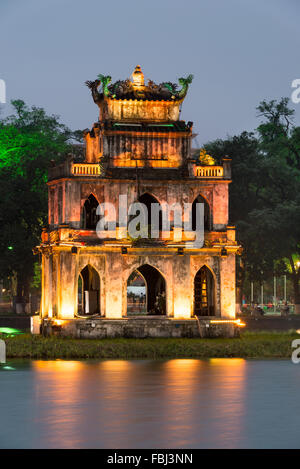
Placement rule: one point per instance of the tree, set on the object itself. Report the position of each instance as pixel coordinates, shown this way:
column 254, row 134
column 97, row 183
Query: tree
column 279, row 142
column 244, row 151
column 29, row 139
column 264, row 200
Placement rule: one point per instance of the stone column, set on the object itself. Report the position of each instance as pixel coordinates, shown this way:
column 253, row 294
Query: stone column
column 66, row 286
column 114, row 286
column 43, row 286
column 46, row 301
column 182, row 287
column 227, row 290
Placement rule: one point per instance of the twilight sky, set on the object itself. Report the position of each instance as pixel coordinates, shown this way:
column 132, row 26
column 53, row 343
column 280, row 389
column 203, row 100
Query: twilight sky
column 240, row 52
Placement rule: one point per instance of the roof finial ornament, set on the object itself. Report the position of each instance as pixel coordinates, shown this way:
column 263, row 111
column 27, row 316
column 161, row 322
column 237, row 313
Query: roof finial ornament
column 135, row 88
column 138, row 77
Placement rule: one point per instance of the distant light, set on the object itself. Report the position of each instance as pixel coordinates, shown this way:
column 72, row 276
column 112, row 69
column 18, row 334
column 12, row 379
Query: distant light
column 298, row 331
column 9, row 330
column 10, row 248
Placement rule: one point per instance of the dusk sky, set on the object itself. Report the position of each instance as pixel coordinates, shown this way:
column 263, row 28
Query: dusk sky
column 240, row 52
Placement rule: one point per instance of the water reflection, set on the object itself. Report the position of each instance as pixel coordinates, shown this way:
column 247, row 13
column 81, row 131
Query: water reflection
column 134, row 404
column 200, row 392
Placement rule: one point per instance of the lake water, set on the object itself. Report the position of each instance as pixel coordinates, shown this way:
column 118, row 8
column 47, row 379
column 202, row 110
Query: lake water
column 186, row 403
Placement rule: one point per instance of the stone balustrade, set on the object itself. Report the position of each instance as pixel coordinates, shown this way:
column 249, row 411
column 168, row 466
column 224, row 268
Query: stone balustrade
column 211, row 172
column 93, row 169
column 85, row 169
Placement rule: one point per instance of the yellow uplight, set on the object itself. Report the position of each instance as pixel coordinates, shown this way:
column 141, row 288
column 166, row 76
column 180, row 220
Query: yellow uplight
column 228, row 321
column 182, row 308
column 58, row 322
column 67, row 311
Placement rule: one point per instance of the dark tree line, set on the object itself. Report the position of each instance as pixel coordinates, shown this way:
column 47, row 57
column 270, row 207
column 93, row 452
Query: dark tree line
column 265, row 195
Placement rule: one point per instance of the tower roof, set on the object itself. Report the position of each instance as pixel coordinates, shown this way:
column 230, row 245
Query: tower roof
column 133, row 100
column 135, row 88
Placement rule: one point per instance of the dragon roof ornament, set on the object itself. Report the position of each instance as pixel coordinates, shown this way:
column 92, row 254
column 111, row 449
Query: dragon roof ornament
column 135, row 89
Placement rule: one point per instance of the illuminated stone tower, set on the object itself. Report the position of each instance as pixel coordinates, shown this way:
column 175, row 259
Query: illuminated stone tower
column 139, row 148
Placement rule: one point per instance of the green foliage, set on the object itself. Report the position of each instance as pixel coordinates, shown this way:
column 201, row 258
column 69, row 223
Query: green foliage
column 29, row 139
column 36, row 280
column 243, row 149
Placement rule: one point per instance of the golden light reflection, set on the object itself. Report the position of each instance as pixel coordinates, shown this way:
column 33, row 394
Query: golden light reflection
column 182, row 364
column 229, row 396
column 228, row 362
column 210, row 389
column 57, row 365
column 180, row 378
column 60, row 391
column 110, row 399
column 116, row 365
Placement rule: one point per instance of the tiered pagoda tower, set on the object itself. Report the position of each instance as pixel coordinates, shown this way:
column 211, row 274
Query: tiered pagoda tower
column 139, row 148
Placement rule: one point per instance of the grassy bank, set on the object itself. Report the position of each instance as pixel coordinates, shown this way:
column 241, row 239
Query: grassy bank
column 249, row 345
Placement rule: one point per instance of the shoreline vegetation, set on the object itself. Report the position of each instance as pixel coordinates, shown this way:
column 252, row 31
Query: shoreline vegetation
column 262, row 344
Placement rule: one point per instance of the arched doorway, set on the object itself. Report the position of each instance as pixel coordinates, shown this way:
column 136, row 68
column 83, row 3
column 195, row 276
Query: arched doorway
column 204, row 293
column 88, row 291
column 89, row 217
column 201, row 200
column 148, row 199
column 154, row 289
column 136, row 294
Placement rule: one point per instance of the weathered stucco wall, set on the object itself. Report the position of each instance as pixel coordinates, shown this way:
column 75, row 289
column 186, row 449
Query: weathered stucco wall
column 220, row 206
column 135, row 110
column 61, row 271
column 138, row 328
column 75, row 192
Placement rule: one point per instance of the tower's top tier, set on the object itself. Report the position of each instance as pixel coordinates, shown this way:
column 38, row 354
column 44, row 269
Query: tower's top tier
column 132, row 100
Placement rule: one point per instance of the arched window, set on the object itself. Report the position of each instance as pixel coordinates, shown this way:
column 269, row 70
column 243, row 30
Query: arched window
column 204, row 293
column 89, row 218
column 148, row 200
column 88, row 291
column 154, row 290
column 207, row 223
column 136, row 294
